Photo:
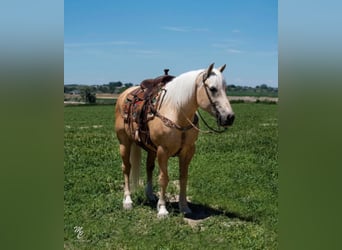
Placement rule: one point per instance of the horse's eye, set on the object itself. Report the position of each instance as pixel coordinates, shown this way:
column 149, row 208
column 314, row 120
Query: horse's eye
column 213, row 89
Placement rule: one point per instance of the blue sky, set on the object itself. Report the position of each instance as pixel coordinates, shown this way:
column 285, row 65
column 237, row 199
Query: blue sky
column 130, row 40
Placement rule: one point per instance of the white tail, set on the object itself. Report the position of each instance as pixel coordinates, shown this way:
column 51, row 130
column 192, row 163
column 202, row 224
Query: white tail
column 135, row 160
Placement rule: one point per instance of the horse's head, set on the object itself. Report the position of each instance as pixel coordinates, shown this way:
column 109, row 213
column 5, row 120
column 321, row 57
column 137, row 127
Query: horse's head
column 211, row 95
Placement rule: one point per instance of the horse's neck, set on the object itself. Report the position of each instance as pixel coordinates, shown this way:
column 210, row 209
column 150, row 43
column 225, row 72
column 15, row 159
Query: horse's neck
column 180, row 102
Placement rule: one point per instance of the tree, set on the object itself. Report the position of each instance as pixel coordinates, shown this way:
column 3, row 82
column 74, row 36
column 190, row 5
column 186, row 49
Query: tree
column 104, row 89
column 114, row 85
column 128, row 85
column 88, row 96
column 263, row 86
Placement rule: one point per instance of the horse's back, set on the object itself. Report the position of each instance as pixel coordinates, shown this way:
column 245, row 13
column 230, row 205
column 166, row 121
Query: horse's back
column 119, row 112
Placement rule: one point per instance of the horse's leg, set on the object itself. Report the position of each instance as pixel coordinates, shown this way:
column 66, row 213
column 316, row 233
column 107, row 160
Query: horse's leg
column 150, row 164
column 126, row 169
column 184, row 161
column 163, row 181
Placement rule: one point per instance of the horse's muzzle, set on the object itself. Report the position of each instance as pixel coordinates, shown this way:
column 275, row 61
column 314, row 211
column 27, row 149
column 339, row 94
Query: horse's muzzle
column 227, row 120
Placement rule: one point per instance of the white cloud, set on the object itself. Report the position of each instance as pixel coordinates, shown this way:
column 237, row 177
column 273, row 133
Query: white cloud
column 267, row 53
column 176, row 29
column 184, row 29
column 234, row 51
column 201, row 29
column 227, row 43
column 219, row 45
column 236, row 31
column 109, row 43
column 143, row 52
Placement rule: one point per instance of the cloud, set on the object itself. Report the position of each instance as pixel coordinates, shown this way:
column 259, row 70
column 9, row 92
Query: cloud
column 228, row 46
column 201, row 29
column 142, row 52
column 94, row 44
column 184, row 29
column 219, row 45
column 236, row 31
column 234, row 51
column 267, row 53
column 176, row 29
column 227, row 43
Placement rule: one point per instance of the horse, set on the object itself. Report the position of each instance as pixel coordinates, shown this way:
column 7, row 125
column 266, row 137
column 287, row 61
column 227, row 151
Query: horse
column 173, row 130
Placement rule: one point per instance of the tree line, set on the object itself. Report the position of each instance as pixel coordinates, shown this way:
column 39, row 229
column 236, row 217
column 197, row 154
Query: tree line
column 88, row 92
column 259, row 90
column 111, row 87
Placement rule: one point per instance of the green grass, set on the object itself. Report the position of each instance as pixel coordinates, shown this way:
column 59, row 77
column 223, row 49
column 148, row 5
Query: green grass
column 233, row 187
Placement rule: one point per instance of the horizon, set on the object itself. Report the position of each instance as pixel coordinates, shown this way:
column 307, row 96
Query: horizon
column 131, row 41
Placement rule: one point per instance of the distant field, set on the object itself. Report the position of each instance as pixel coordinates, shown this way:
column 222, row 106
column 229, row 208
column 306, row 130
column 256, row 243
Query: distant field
column 233, row 187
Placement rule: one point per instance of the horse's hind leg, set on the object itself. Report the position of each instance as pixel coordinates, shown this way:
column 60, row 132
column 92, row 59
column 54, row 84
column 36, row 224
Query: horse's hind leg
column 150, row 164
column 163, row 181
column 126, row 169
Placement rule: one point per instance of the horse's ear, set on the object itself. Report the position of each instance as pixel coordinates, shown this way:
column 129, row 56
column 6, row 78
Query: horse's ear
column 222, row 68
column 210, row 68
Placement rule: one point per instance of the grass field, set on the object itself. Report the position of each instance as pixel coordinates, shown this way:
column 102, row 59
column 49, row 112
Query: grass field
column 233, row 187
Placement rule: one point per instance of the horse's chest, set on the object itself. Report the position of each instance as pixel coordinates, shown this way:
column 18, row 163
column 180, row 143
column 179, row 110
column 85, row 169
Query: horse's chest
column 172, row 139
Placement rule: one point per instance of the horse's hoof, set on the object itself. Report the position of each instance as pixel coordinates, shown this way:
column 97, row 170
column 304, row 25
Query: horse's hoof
column 162, row 212
column 149, row 193
column 151, row 197
column 127, row 203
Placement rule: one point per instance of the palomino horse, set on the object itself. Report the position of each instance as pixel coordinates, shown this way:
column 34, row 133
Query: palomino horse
column 173, row 130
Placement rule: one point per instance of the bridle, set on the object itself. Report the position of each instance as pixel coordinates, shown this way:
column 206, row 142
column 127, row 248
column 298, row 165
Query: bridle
column 217, row 113
column 193, row 124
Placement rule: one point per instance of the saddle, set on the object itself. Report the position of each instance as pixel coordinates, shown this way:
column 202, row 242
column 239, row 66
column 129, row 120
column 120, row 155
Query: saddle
column 141, row 106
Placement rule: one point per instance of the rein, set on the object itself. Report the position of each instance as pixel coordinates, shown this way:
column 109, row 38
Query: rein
column 211, row 129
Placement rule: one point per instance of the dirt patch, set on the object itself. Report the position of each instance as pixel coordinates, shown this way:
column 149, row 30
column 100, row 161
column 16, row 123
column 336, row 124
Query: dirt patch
column 107, row 96
column 66, row 103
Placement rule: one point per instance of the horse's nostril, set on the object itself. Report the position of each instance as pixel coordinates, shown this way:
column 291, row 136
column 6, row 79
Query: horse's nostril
column 230, row 118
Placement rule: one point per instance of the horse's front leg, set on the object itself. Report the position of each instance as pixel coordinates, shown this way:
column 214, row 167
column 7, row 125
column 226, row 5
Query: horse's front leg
column 163, row 180
column 184, row 161
column 151, row 157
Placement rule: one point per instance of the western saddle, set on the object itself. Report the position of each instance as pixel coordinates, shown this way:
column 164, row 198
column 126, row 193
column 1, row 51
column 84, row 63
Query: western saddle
column 141, row 107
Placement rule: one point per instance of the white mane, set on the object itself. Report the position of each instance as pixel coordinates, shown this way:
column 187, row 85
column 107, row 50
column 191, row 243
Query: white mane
column 180, row 90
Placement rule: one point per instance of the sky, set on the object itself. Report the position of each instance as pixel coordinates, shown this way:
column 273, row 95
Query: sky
column 129, row 41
